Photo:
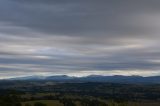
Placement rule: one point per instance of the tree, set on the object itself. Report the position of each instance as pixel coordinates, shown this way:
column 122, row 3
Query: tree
column 67, row 102
column 85, row 102
column 39, row 104
column 18, row 104
column 27, row 104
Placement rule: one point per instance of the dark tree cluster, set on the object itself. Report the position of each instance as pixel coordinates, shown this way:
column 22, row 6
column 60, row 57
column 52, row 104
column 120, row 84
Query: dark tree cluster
column 10, row 100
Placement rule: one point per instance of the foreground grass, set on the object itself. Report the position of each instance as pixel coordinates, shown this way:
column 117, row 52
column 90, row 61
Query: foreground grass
column 47, row 102
column 56, row 103
column 144, row 104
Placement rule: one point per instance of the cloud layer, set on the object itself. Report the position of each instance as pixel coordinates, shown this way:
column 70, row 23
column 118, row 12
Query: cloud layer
column 79, row 37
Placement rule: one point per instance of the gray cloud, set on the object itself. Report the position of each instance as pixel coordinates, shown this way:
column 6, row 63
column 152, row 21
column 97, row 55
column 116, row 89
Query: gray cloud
column 79, row 37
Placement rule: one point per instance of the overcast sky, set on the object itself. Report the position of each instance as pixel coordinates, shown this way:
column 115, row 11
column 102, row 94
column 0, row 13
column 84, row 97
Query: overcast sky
column 79, row 37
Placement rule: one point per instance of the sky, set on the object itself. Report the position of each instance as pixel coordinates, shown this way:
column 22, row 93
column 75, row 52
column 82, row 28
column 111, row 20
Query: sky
column 79, row 37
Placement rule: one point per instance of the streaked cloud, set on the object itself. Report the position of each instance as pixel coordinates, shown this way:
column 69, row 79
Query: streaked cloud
column 79, row 37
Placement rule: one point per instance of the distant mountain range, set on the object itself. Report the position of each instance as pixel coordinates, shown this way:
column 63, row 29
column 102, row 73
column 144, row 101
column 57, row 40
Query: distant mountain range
column 95, row 78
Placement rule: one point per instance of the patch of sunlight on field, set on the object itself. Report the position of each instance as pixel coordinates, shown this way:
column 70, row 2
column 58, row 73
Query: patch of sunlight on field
column 47, row 102
column 38, row 95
